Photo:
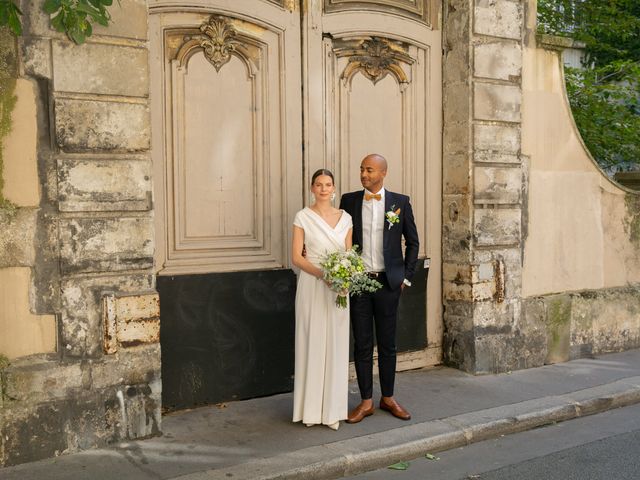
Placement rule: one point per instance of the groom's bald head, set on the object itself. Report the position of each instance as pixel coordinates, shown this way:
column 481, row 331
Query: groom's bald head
column 378, row 159
column 373, row 169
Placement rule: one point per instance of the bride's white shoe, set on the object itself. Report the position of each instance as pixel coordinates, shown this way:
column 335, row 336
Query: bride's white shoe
column 334, row 426
column 309, row 424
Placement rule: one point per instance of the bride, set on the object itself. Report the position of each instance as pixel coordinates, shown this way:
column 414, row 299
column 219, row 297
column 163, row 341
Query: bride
column 320, row 393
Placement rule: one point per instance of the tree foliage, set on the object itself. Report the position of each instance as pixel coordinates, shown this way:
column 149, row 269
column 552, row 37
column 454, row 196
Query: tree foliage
column 73, row 17
column 609, row 28
column 608, row 113
column 605, row 94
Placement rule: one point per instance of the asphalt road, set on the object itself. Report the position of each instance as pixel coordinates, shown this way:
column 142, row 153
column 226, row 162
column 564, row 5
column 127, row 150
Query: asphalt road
column 599, row 447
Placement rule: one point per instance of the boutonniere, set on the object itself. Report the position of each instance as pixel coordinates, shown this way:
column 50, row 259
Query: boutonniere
column 393, row 216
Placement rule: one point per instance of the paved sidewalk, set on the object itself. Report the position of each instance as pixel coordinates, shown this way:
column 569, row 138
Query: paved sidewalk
column 254, row 439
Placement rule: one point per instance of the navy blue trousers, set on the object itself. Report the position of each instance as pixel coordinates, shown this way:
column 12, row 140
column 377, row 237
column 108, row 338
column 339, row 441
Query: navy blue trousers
column 375, row 312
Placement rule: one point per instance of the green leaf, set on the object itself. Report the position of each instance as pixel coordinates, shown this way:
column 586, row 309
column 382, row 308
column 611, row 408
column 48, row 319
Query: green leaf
column 81, row 7
column 429, row 456
column 51, row 6
column 57, row 22
column 104, row 21
column 77, row 36
column 399, row 466
column 14, row 21
column 108, row 3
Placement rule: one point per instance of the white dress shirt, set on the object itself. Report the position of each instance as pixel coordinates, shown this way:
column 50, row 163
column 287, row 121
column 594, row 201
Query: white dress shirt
column 372, row 233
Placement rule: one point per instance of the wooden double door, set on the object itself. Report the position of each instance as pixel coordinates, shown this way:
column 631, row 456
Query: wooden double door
column 249, row 97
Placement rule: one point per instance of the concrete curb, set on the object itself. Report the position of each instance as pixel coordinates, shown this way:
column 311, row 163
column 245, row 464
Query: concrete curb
column 370, row 452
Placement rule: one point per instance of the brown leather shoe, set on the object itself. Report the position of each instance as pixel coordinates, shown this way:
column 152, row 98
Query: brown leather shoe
column 394, row 408
column 359, row 413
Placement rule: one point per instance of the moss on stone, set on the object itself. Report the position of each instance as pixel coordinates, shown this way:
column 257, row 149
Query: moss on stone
column 8, row 76
column 632, row 220
column 4, row 364
column 558, row 317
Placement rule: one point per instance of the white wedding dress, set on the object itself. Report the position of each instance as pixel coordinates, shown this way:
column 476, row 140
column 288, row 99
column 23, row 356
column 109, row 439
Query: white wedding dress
column 322, row 330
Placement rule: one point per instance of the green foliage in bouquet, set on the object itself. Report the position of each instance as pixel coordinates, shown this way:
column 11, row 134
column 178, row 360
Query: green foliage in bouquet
column 345, row 273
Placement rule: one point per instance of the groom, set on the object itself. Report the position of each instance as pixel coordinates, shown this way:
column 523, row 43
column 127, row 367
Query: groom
column 380, row 219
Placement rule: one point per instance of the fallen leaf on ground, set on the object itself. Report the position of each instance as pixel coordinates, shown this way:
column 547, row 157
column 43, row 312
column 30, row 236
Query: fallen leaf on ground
column 431, row 457
column 399, row 466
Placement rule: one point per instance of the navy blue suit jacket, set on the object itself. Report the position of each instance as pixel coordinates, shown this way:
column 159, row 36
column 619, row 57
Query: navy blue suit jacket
column 396, row 266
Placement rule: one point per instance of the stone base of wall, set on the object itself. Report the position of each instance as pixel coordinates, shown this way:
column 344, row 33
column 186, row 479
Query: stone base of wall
column 586, row 323
column 488, row 337
column 49, row 408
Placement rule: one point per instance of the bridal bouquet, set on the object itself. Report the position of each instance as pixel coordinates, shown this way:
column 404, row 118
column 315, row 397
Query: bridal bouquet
column 345, row 273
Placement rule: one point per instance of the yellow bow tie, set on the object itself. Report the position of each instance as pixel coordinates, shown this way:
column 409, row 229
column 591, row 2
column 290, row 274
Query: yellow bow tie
column 375, row 196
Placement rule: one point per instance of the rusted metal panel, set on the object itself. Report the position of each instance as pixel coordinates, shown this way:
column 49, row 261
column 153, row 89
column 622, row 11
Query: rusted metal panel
column 130, row 320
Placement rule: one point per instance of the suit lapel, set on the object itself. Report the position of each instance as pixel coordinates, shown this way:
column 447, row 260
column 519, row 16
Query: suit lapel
column 388, row 202
column 357, row 216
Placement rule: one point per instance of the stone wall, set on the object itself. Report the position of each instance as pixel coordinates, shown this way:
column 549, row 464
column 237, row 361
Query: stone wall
column 586, row 323
column 89, row 244
column 581, row 256
column 484, row 186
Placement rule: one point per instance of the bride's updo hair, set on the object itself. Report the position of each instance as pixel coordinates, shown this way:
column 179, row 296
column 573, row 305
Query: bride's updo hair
column 322, row 171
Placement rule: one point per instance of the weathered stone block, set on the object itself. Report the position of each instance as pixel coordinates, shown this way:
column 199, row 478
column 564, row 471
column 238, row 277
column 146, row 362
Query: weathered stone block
column 456, row 138
column 101, row 69
column 498, row 18
column 35, row 21
column 29, row 381
column 456, row 225
column 106, row 244
column 85, row 419
column 493, row 317
column 493, row 226
column 497, row 138
column 456, row 66
column 83, row 125
column 497, row 185
column 129, row 20
column 614, row 316
column 496, row 102
column 558, row 321
column 82, row 333
column 456, row 102
column 505, row 352
column 498, row 60
column 511, row 260
column 132, row 366
column 36, row 56
column 456, row 175
column 17, row 240
column 483, row 156
column 457, row 343
column 104, row 185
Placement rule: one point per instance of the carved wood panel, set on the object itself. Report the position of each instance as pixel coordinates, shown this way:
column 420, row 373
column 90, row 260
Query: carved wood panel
column 416, row 9
column 376, row 95
column 224, row 123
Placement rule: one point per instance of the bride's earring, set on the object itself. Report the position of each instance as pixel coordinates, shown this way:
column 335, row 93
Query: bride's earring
column 312, row 198
column 333, row 196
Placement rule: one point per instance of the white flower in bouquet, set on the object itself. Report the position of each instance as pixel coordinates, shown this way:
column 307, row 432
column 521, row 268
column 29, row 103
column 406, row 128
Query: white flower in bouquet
column 346, row 275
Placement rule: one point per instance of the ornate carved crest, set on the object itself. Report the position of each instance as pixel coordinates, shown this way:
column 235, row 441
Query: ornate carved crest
column 376, row 58
column 218, row 41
